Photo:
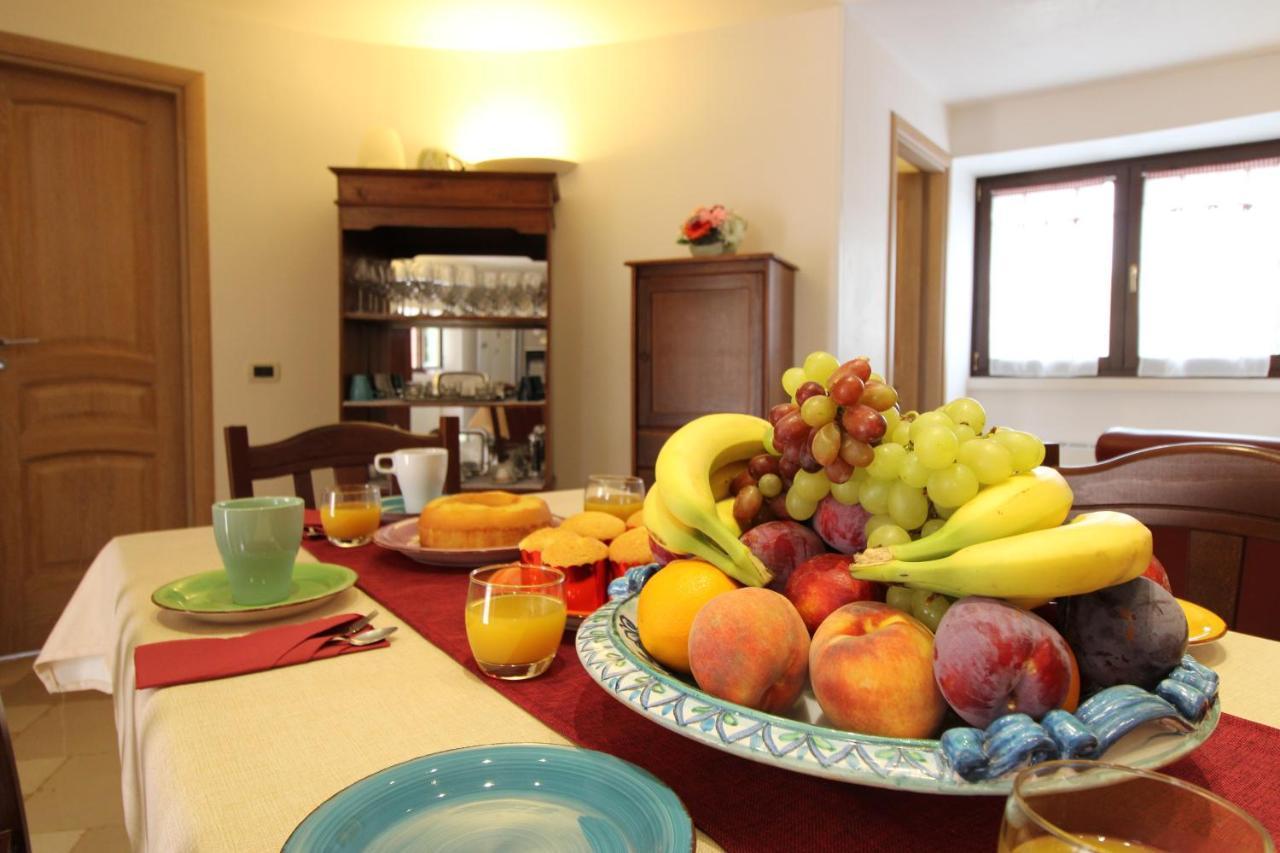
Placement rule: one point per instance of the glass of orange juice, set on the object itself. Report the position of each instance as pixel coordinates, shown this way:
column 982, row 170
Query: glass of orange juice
column 515, row 619
column 1094, row 806
column 616, row 494
column 351, row 515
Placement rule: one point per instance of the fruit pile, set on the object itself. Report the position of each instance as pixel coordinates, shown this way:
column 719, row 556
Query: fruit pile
column 909, row 568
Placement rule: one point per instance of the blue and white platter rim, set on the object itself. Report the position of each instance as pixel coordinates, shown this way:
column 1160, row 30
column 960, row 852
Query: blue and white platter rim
column 609, row 647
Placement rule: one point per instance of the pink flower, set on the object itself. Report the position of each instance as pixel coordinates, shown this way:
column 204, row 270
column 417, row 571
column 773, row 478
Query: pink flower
column 717, row 215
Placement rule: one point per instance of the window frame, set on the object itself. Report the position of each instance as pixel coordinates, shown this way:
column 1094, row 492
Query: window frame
column 1126, row 244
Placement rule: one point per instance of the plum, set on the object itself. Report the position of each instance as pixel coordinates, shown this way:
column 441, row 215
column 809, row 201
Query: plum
column 1131, row 633
column 781, row 546
column 991, row 658
column 842, row 527
column 822, row 584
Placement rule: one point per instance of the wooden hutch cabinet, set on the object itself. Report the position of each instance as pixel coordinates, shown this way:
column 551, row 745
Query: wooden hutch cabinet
column 710, row 334
column 491, row 217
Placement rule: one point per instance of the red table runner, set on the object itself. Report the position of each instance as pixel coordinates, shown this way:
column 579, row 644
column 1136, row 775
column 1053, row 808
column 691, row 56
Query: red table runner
column 748, row 806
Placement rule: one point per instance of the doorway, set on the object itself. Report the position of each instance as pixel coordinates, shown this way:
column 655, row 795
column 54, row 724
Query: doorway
column 918, row 190
column 105, row 397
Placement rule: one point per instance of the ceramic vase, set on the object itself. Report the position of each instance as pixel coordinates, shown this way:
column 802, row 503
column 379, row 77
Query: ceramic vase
column 699, row 250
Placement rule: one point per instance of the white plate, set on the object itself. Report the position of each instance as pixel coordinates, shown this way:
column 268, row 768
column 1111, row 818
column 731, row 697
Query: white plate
column 402, row 536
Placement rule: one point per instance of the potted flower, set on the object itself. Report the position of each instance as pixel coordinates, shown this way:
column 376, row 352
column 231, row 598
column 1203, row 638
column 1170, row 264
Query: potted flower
column 713, row 230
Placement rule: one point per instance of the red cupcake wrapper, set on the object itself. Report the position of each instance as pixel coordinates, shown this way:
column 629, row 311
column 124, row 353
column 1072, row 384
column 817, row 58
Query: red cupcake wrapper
column 618, row 569
column 585, row 586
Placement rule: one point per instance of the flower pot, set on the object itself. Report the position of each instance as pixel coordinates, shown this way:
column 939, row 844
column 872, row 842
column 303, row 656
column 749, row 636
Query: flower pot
column 699, row 250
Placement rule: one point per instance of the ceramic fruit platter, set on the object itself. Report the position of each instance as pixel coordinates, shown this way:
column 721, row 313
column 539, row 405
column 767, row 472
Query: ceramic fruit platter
column 402, row 536
column 609, row 647
column 505, row 796
column 841, row 583
column 207, row 596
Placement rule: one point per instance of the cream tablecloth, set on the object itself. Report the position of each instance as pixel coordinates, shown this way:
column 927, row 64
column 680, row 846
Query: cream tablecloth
column 235, row 764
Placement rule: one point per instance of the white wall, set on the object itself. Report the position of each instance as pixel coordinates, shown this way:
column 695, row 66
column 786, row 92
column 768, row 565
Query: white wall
column 875, row 85
column 748, row 116
column 1217, row 103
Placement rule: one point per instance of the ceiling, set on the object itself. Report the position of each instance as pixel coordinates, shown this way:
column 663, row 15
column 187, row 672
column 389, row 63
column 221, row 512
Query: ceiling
column 506, row 25
column 960, row 49
column 971, row 49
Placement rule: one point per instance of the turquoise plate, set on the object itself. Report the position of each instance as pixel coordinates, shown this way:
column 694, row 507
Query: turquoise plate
column 207, row 596
column 503, row 797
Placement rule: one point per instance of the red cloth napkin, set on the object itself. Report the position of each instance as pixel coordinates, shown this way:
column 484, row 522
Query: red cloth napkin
column 208, row 658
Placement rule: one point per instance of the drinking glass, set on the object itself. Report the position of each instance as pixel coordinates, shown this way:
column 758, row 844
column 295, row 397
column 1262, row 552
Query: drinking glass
column 515, row 618
column 1094, row 806
column 617, row 494
column 350, row 515
column 530, row 282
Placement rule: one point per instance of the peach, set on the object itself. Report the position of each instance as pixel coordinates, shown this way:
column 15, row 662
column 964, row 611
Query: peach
column 750, row 646
column 992, row 658
column 823, row 584
column 871, row 666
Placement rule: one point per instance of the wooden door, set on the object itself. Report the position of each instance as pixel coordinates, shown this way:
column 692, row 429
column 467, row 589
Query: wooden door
column 917, row 252
column 93, row 424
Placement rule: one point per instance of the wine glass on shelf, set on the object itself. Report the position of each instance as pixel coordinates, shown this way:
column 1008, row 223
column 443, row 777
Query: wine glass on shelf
column 527, row 293
column 444, row 302
column 1081, row 805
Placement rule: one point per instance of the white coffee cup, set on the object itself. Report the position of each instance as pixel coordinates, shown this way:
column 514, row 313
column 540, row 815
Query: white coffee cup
column 419, row 471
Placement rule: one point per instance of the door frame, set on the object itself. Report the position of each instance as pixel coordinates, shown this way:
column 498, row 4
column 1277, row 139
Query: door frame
column 186, row 87
column 909, row 144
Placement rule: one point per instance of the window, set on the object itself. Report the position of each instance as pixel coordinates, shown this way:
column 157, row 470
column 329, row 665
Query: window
column 424, row 348
column 1155, row 266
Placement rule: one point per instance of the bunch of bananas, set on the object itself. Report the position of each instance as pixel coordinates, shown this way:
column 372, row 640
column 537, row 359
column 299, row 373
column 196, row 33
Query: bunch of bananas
column 1009, row 542
column 693, row 472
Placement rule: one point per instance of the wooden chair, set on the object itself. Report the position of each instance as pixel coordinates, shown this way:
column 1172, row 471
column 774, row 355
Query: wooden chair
column 347, row 448
column 1118, row 440
column 1214, row 510
column 14, row 837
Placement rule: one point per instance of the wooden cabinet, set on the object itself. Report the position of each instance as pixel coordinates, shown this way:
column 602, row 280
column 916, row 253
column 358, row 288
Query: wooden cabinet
column 386, row 214
column 710, row 335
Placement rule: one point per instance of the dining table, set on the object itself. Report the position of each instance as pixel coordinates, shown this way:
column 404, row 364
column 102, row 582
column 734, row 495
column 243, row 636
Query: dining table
column 237, row 763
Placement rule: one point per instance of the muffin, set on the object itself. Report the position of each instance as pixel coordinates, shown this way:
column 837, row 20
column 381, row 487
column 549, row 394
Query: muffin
column 636, row 519
column 597, row 525
column 629, row 550
column 585, row 563
column 531, row 546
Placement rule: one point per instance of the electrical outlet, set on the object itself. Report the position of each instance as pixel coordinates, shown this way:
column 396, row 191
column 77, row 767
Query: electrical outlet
column 264, row 373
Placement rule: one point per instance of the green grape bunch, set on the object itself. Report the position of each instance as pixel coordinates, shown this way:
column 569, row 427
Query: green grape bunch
column 843, row 435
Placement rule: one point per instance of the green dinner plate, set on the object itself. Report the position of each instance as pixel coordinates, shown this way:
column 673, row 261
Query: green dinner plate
column 207, row 596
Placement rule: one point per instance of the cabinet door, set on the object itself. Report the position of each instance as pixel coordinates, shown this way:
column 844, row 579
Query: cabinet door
column 699, row 345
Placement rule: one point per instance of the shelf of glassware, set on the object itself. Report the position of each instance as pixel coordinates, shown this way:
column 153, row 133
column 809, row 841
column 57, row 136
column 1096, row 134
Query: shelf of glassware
column 440, row 401
column 405, row 321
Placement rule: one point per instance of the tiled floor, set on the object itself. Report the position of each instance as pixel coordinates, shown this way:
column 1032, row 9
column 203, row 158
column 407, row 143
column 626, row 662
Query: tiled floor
column 67, row 763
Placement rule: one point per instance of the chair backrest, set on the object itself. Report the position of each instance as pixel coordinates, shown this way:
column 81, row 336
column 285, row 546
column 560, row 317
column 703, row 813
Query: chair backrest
column 1215, row 512
column 347, row 448
column 1118, row 440
column 14, row 837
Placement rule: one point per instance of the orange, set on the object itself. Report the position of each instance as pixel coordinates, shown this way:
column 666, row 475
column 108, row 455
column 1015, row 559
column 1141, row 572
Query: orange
column 668, row 603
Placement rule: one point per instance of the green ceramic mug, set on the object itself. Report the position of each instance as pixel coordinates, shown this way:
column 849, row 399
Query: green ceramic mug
column 258, row 539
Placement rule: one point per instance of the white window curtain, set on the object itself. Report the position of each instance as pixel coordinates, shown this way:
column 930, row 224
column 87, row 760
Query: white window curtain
column 1209, row 301
column 1050, row 278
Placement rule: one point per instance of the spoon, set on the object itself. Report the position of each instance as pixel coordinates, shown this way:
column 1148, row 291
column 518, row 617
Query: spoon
column 366, row 639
